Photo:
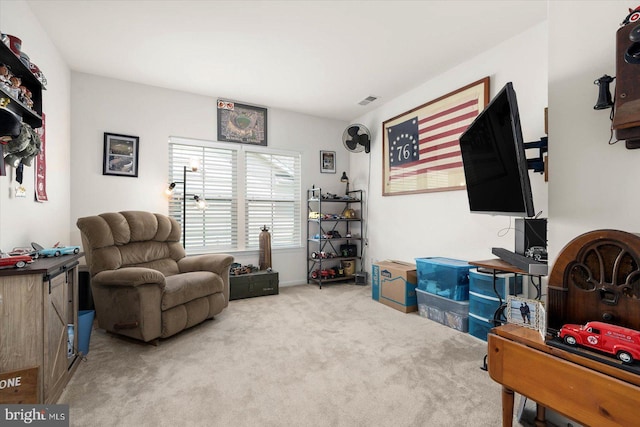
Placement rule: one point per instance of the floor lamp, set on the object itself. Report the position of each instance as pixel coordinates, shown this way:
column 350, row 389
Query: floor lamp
column 201, row 203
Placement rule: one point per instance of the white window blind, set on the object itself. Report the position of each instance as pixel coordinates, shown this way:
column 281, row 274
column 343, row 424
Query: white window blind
column 272, row 198
column 214, row 228
column 245, row 188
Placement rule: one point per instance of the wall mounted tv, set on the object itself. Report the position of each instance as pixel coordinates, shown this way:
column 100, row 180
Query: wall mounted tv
column 494, row 160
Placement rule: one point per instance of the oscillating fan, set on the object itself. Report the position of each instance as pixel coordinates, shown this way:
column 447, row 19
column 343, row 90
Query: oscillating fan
column 356, row 138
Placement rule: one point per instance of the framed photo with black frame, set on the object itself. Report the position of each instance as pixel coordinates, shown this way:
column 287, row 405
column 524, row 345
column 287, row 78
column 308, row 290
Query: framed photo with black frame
column 327, row 161
column 120, row 155
column 241, row 123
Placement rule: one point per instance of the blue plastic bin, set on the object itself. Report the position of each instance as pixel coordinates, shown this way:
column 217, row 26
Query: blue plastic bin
column 445, row 277
column 482, row 283
column 85, row 324
column 483, row 305
column 479, row 327
column 443, row 310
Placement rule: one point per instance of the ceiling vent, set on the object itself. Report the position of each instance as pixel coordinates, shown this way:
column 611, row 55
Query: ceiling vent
column 368, row 100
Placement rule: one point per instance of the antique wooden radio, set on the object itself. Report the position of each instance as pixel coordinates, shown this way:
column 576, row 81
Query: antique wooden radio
column 596, row 277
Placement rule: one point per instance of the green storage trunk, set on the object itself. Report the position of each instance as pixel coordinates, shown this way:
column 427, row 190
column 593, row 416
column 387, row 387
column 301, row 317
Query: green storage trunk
column 255, row 284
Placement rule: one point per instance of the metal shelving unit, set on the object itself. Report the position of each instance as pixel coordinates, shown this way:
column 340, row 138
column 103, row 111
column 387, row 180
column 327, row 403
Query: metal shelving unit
column 333, row 238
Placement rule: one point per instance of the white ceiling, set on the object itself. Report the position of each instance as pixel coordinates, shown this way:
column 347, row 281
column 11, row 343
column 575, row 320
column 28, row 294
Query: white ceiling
column 315, row 57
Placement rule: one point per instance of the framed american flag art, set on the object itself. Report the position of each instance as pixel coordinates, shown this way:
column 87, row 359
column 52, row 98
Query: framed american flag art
column 421, row 152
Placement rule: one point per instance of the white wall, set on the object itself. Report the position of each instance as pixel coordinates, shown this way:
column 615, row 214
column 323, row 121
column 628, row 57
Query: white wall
column 154, row 114
column 439, row 224
column 593, row 185
column 22, row 220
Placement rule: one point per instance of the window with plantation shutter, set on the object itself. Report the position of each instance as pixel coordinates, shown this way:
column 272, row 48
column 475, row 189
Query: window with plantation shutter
column 215, row 180
column 272, row 198
column 245, row 188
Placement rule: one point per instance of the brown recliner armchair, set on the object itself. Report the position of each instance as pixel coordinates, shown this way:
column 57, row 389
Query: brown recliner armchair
column 144, row 286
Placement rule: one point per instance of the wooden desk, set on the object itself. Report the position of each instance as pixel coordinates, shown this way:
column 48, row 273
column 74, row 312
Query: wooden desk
column 584, row 390
column 498, row 265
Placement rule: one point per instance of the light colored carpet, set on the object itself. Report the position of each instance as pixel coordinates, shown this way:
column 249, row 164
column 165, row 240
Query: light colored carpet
column 306, row 357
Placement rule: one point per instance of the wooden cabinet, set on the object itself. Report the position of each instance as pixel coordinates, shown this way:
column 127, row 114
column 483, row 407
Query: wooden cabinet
column 38, row 308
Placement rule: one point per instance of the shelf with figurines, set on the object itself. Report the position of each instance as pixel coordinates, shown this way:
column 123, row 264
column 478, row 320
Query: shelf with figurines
column 21, row 82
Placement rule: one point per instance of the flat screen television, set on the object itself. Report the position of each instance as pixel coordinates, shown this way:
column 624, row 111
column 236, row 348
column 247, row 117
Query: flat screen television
column 494, row 160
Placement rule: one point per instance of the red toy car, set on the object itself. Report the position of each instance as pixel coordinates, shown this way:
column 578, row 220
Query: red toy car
column 325, row 274
column 624, row 343
column 18, row 261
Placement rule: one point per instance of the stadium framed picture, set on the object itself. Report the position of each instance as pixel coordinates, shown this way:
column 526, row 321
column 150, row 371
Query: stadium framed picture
column 421, row 152
column 242, row 123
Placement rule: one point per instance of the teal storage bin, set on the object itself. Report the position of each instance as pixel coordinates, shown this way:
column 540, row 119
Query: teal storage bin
column 483, row 306
column 482, row 283
column 85, row 324
column 445, row 277
column 479, row 327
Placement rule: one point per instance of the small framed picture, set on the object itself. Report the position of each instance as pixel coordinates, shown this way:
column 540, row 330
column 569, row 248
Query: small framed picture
column 524, row 312
column 120, row 155
column 327, row 161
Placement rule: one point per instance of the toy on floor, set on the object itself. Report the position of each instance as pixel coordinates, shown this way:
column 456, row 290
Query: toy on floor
column 239, row 269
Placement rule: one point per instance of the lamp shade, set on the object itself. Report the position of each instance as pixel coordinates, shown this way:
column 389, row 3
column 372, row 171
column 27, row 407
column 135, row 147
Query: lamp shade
column 201, row 203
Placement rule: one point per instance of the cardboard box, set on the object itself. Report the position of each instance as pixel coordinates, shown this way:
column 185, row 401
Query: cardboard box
column 393, row 283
